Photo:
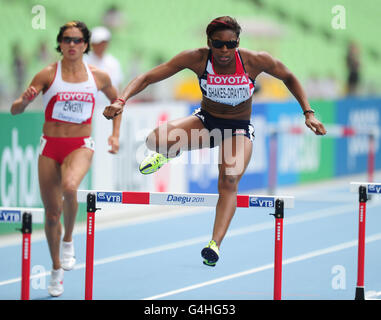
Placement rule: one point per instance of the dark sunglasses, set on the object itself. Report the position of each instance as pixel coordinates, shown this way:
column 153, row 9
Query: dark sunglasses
column 218, row 44
column 74, row 39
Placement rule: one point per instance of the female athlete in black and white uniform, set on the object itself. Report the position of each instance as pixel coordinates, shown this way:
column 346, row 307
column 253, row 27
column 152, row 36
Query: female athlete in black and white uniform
column 226, row 76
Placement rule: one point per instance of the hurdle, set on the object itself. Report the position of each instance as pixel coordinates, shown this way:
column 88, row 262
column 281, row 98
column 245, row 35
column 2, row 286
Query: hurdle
column 26, row 216
column 92, row 197
column 363, row 189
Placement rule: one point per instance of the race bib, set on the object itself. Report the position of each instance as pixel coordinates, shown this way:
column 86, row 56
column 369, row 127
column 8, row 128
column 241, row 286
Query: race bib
column 228, row 89
column 75, row 107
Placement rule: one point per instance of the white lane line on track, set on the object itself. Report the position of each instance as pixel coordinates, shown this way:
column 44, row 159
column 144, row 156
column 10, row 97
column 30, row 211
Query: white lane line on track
column 308, row 255
column 318, row 214
column 372, row 295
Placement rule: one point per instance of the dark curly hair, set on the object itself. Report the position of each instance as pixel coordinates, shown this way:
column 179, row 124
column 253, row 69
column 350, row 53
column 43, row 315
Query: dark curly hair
column 75, row 24
column 223, row 23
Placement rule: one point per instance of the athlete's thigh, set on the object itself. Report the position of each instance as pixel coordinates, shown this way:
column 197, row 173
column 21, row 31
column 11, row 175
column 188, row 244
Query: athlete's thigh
column 234, row 155
column 49, row 176
column 189, row 132
column 75, row 166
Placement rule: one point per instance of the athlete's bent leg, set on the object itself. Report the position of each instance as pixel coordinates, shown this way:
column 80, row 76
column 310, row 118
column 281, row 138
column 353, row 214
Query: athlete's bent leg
column 175, row 135
column 170, row 138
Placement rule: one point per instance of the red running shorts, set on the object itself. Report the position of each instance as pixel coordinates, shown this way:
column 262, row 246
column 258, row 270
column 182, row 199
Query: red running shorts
column 58, row 148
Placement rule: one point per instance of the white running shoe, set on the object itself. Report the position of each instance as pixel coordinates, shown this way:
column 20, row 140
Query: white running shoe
column 68, row 256
column 55, row 287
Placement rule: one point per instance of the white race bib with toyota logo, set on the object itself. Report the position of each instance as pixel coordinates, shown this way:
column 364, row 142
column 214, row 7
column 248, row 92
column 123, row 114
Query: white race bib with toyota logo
column 228, row 89
column 75, row 107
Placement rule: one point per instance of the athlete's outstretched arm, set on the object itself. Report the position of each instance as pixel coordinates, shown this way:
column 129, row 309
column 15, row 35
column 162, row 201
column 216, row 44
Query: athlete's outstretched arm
column 183, row 60
column 277, row 69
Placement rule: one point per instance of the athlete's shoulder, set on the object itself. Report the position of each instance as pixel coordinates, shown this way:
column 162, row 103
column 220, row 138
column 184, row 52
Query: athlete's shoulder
column 201, row 52
column 249, row 54
column 98, row 73
column 191, row 59
column 46, row 75
column 102, row 78
column 194, row 55
column 49, row 70
column 255, row 58
column 94, row 69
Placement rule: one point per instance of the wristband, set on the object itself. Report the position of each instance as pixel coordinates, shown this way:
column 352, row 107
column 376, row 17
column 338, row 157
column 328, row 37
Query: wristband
column 309, row 111
column 121, row 100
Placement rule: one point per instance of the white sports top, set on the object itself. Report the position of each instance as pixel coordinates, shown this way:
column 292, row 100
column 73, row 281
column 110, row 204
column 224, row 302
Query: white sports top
column 70, row 102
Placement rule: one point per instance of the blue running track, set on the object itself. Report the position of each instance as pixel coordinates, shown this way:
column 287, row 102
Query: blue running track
column 160, row 258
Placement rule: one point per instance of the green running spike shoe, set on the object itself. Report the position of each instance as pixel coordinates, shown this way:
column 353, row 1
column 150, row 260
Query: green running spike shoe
column 153, row 163
column 210, row 254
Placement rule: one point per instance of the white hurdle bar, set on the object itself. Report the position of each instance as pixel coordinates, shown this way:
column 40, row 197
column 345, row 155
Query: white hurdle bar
column 92, row 197
column 14, row 215
column 363, row 189
column 181, row 199
column 25, row 216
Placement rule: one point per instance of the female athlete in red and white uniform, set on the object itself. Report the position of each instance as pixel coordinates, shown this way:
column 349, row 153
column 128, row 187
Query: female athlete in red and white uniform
column 69, row 88
column 226, row 76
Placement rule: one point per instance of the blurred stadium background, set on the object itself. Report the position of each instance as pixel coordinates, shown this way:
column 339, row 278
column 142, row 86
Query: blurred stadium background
column 301, row 33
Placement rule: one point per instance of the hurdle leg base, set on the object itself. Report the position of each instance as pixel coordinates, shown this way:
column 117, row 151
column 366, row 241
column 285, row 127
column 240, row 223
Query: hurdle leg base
column 360, row 293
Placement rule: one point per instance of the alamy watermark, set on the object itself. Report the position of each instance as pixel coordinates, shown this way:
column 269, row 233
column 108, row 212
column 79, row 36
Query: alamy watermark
column 39, row 17
column 38, row 277
column 339, row 279
column 338, row 21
